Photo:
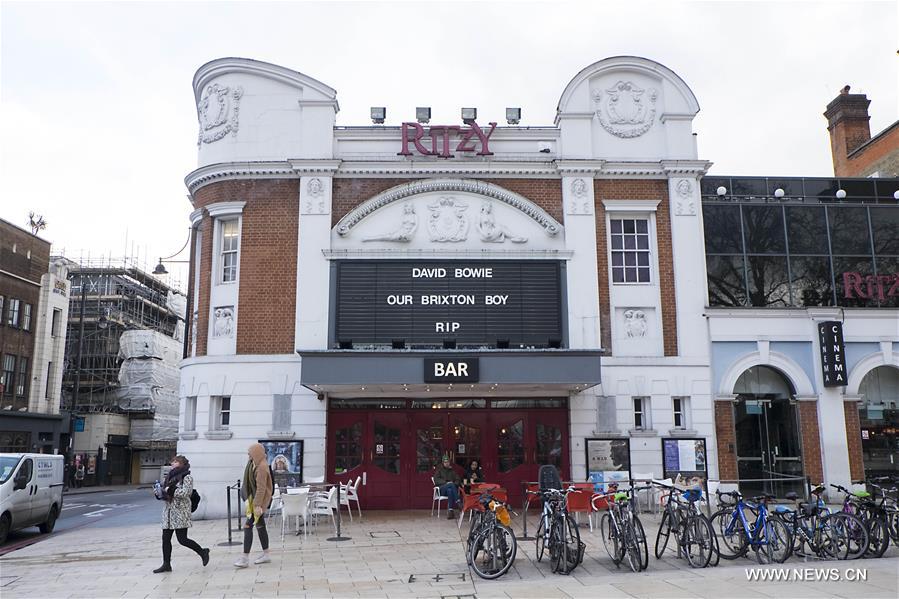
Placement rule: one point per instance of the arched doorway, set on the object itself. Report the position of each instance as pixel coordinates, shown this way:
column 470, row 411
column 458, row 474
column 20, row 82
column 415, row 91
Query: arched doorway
column 879, row 420
column 766, row 426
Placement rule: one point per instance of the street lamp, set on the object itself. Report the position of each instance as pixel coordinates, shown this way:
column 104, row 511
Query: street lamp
column 160, row 269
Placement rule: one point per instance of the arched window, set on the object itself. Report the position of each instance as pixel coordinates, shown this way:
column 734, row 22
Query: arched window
column 879, row 420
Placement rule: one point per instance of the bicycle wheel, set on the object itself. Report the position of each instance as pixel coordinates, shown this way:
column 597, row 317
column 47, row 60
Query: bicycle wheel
column 631, row 551
column 573, row 544
column 663, row 534
column 878, row 536
column 732, row 540
column 558, row 547
column 610, row 538
column 846, row 536
column 541, row 538
column 772, row 543
column 473, row 530
column 642, row 549
column 493, row 552
column 697, row 541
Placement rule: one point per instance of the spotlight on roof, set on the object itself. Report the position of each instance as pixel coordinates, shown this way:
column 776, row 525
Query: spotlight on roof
column 841, row 194
column 469, row 114
column 378, row 114
column 778, row 193
column 423, row 114
column 721, row 191
column 513, row 115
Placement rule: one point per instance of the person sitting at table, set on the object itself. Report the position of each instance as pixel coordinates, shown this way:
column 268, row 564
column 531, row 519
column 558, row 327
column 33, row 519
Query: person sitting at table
column 448, row 481
column 473, row 476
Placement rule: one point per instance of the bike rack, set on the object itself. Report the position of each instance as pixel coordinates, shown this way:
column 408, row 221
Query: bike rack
column 236, row 514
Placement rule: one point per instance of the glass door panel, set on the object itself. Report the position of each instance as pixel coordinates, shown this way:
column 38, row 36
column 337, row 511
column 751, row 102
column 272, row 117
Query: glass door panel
column 510, row 450
column 769, row 450
column 466, row 434
column 388, row 480
column 430, row 441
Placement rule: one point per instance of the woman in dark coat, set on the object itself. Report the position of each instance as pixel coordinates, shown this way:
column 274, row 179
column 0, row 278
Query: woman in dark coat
column 176, row 491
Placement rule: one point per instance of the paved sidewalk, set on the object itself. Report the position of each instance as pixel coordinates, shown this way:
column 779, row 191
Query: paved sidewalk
column 390, row 554
column 104, row 489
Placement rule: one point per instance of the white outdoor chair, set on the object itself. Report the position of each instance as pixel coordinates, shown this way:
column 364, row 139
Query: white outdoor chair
column 352, row 494
column 275, row 507
column 437, row 498
column 295, row 505
column 660, row 493
column 712, row 486
column 345, row 496
column 324, row 504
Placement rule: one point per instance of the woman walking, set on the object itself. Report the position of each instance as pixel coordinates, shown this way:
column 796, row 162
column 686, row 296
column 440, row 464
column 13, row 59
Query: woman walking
column 176, row 492
column 257, row 482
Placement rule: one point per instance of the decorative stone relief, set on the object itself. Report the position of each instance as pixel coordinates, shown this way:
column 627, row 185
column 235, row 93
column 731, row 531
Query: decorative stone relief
column 580, row 201
column 635, row 323
column 223, row 322
column 218, row 111
column 314, row 198
column 493, row 232
column 684, row 204
column 626, row 110
column 448, row 221
column 406, row 230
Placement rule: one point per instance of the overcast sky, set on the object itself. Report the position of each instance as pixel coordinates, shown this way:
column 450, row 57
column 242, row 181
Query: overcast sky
column 98, row 124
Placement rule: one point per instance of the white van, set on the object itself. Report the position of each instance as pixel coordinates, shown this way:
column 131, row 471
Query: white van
column 30, row 491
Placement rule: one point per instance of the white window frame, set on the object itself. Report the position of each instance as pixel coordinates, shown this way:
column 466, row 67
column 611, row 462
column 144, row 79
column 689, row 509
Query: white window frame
column 644, row 412
column 632, row 210
column 636, row 251
column 219, row 412
column 22, row 377
column 26, row 316
column 13, row 309
column 228, row 252
column 48, row 393
column 190, row 413
column 222, row 212
column 54, row 322
column 684, row 412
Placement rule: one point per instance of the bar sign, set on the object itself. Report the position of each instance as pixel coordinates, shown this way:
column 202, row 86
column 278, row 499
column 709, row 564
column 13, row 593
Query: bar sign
column 451, row 370
column 833, row 353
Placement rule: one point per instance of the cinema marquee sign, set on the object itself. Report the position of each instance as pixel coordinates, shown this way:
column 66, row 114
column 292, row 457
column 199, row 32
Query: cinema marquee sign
column 445, row 139
column 833, row 353
column 869, row 287
column 475, row 302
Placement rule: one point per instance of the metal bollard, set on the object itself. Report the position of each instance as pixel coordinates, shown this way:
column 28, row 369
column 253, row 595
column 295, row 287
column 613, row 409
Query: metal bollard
column 228, row 490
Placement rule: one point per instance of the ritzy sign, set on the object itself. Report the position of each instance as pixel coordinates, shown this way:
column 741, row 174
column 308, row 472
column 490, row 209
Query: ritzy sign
column 444, row 137
column 833, row 353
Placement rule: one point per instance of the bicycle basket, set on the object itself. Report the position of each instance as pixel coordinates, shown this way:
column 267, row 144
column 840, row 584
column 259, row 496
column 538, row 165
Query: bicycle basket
column 502, row 513
column 549, row 477
column 574, row 559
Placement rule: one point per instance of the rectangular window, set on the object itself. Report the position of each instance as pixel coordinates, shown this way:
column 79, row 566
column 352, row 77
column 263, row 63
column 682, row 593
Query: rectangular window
column 229, row 250
column 220, row 412
column 26, row 317
column 630, row 250
column 680, row 412
column 54, row 326
column 9, row 374
column 12, row 318
column 641, row 413
column 190, row 413
column 22, row 377
column 49, row 391
column 1, row 310
column 281, row 412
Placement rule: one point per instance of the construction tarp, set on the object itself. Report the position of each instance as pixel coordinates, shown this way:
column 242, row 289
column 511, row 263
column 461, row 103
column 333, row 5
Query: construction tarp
column 148, row 390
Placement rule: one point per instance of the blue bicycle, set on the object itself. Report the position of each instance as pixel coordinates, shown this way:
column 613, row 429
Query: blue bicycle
column 741, row 525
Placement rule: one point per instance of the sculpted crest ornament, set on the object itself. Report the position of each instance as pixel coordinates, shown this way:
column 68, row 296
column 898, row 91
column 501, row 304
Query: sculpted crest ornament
column 626, row 110
column 448, row 221
column 218, row 111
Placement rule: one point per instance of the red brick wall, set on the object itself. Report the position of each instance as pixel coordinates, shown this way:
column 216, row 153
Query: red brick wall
column 726, row 437
column 268, row 271
column 267, row 297
column 634, row 189
column 811, row 440
column 854, row 440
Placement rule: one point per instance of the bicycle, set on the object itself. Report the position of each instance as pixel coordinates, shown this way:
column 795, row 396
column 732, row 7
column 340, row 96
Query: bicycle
column 693, row 532
column 558, row 532
column 888, row 501
column 491, row 543
column 769, row 537
column 872, row 514
column 622, row 532
column 828, row 535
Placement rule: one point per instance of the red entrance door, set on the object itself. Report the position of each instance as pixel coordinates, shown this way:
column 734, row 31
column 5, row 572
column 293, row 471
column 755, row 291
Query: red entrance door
column 346, row 445
column 388, row 476
column 429, row 440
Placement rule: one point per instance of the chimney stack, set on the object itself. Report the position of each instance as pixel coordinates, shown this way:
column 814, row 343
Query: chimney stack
column 847, row 122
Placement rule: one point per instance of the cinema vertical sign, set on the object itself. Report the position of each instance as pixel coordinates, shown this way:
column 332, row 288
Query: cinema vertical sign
column 833, row 353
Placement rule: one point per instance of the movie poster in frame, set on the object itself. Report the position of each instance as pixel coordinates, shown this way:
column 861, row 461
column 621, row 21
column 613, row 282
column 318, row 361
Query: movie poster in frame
column 608, row 461
column 286, row 460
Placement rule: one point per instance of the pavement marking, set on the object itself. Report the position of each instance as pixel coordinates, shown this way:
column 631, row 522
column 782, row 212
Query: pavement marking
column 96, row 513
column 384, row 534
column 70, row 506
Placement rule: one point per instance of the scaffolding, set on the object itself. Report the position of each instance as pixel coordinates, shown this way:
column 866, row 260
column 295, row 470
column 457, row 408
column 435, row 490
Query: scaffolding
column 106, row 299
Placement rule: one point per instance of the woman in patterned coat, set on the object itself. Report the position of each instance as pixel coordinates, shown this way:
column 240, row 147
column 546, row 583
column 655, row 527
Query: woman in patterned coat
column 176, row 492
